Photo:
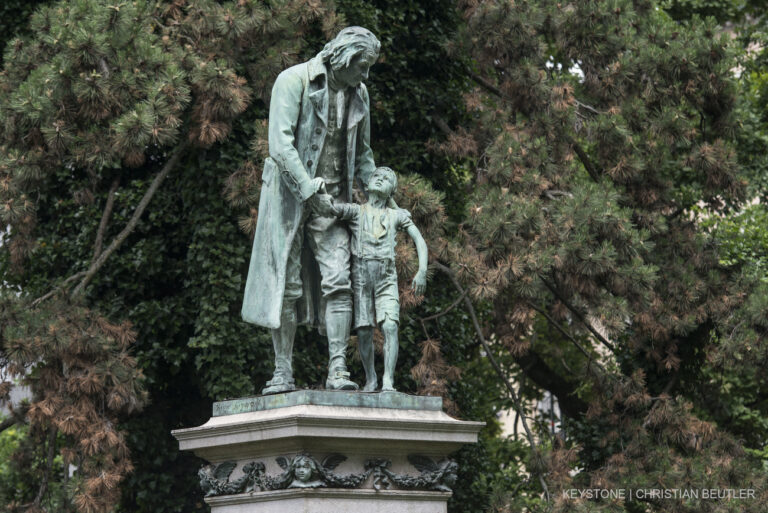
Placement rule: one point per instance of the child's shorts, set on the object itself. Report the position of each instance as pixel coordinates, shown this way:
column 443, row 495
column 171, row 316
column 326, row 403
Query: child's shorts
column 374, row 286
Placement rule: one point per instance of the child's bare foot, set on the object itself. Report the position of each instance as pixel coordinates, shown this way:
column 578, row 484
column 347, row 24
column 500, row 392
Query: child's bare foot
column 370, row 386
column 386, row 385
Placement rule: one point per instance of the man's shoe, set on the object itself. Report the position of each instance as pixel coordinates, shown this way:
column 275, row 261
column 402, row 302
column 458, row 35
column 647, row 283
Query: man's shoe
column 278, row 384
column 339, row 380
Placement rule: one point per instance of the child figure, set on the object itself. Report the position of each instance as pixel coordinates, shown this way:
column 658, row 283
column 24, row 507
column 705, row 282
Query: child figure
column 374, row 278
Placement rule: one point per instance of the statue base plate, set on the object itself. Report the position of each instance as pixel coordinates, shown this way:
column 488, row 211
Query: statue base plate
column 328, row 451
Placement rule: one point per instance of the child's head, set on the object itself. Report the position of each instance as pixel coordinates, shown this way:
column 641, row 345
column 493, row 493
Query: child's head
column 303, row 467
column 383, row 181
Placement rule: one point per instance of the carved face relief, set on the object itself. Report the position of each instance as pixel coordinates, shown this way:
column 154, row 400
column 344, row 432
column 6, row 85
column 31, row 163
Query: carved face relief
column 303, row 470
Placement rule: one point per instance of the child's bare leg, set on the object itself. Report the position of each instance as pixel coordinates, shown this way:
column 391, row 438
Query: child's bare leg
column 365, row 346
column 389, row 329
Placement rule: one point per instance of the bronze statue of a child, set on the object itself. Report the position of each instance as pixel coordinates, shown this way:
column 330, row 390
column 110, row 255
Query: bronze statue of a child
column 374, row 278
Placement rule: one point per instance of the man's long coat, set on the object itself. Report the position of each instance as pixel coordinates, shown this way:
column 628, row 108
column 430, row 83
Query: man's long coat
column 298, row 116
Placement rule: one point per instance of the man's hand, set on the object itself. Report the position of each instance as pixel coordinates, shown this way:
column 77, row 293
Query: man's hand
column 419, row 284
column 310, row 188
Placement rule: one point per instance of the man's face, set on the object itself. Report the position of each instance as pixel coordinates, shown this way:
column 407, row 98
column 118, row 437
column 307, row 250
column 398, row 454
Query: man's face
column 381, row 182
column 357, row 71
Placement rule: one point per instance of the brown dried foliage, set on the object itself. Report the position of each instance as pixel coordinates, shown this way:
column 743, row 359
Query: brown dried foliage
column 85, row 381
column 432, row 374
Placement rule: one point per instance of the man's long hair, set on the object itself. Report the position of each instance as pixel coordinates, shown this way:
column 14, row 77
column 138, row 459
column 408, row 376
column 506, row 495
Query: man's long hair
column 348, row 43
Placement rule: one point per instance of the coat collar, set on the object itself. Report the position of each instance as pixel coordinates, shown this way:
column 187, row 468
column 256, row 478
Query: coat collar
column 318, row 94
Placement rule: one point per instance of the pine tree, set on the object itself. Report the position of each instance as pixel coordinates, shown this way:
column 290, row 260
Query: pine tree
column 175, row 263
column 598, row 135
column 106, row 100
column 83, row 379
column 603, row 129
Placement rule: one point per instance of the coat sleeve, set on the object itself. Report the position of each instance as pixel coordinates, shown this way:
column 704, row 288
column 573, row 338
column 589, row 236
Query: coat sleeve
column 364, row 165
column 284, row 110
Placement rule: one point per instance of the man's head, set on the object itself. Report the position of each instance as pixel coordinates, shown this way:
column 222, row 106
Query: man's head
column 350, row 54
column 383, row 181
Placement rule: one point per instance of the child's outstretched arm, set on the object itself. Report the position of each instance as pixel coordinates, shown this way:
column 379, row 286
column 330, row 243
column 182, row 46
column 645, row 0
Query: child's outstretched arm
column 419, row 285
column 345, row 211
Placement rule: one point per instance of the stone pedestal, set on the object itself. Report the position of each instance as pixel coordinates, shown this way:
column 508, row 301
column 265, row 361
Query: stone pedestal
column 328, row 452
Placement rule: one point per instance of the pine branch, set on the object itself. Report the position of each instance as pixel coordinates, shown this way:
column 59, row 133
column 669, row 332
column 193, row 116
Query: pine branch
column 18, row 416
column 99, row 262
column 447, row 310
column 10, row 422
column 578, row 315
column 544, row 376
column 671, row 384
column 442, row 125
column 48, row 467
column 53, row 291
column 584, row 158
column 103, row 67
column 485, row 83
column 553, row 194
column 7, row 423
column 586, row 107
column 536, row 369
column 502, row 375
column 488, row 86
column 97, row 246
column 565, row 333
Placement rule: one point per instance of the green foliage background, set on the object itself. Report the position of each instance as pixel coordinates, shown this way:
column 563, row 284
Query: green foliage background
column 179, row 278
column 733, row 398
column 180, row 275
column 14, row 17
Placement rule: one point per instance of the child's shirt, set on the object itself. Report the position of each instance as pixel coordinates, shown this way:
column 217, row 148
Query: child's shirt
column 374, row 229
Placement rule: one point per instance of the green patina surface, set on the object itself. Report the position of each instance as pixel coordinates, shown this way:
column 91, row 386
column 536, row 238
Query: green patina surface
column 391, row 400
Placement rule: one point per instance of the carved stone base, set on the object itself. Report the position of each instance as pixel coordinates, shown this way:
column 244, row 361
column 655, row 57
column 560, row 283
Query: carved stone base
column 328, row 451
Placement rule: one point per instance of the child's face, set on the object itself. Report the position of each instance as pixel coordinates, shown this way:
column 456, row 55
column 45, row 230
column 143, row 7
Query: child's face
column 303, row 470
column 381, row 182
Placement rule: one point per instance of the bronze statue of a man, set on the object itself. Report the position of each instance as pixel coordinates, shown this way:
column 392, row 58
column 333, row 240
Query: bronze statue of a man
column 319, row 133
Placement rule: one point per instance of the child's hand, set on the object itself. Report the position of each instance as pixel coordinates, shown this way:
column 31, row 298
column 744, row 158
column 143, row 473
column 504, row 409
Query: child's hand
column 419, row 284
column 322, row 203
